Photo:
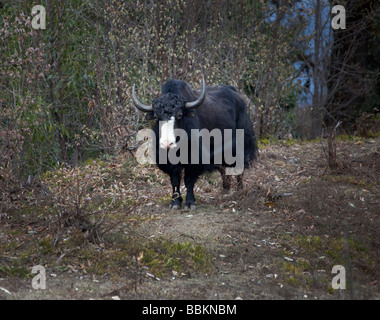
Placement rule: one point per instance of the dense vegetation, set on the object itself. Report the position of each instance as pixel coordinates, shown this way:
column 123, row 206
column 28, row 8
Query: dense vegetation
column 65, row 90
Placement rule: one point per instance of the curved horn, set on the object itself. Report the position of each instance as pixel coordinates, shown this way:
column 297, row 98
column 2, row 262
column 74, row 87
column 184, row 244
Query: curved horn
column 199, row 101
column 138, row 104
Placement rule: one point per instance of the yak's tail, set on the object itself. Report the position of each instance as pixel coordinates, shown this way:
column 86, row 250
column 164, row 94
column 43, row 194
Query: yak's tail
column 251, row 151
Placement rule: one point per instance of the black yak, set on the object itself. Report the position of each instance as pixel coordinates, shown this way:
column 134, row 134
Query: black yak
column 217, row 110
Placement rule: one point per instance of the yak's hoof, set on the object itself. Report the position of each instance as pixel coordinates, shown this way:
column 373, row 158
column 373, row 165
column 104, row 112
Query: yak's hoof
column 175, row 206
column 190, row 206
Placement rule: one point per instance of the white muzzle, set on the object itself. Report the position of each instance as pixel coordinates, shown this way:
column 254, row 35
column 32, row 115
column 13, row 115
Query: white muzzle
column 167, row 138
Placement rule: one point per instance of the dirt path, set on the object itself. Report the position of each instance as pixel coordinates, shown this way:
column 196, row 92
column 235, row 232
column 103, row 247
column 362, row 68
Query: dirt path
column 277, row 239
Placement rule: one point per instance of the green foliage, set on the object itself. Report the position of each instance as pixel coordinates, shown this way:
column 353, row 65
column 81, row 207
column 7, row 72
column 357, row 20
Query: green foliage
column 163, row 256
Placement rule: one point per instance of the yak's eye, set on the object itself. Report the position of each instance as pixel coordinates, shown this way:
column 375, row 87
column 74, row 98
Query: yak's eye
column 179, row 115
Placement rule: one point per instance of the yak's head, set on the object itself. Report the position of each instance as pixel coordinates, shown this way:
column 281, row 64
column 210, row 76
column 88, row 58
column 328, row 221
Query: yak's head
column 169, row 110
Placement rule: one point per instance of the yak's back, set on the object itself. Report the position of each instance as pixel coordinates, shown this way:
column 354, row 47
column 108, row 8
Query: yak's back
column 215, row 93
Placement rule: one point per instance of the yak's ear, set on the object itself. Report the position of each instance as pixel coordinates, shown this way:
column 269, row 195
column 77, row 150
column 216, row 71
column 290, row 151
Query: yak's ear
column 190, row 113
column 150, row 116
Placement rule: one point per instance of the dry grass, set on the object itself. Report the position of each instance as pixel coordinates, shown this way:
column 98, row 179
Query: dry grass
column 293, row 205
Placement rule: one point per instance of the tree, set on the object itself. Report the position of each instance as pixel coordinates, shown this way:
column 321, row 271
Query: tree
column 354, row 65
column 335, row 63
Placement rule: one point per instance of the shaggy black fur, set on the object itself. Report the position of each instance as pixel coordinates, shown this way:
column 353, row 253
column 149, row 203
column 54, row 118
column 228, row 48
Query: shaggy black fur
column 223, row 108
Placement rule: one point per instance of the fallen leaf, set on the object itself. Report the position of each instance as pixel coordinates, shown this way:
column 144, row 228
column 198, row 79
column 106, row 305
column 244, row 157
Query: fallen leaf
column 5, row 290
column 270, row 204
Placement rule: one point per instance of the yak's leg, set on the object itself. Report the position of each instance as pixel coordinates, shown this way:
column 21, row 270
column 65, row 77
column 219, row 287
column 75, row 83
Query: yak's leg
column 175, row 178
column 190, row 179
column 239, row 179
column 225, row 178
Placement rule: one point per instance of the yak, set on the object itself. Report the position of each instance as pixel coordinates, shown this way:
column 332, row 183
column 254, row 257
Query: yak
column 212, row 107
